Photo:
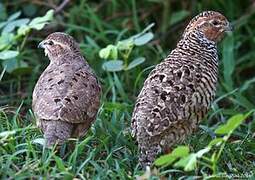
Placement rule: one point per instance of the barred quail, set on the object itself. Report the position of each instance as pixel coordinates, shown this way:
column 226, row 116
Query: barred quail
column 177, row 94
column 66, row 97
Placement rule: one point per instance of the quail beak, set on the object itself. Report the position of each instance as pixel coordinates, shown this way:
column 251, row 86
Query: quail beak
column 41, row 45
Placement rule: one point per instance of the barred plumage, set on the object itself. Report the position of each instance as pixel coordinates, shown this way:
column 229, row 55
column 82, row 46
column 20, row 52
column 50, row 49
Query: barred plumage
column 177, row 94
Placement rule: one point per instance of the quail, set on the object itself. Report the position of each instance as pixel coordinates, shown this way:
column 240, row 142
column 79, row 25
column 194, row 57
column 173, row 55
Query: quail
column 66, row 98
column 178, row 92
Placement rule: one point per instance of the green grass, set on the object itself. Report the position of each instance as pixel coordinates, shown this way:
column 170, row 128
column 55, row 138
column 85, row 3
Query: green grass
column 108, row 151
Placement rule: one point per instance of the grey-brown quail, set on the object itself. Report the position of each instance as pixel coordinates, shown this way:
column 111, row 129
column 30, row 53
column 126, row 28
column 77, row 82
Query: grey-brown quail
column 177, row 94
column 66, row 97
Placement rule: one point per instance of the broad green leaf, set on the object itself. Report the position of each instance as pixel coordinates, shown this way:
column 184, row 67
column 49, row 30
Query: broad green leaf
column 8, row 54
column 143, row 39
column 135, row 63
column 14, row 16
column 232, row 124
column 2, row 24
column 39, row 22
column 125, row 44
column 113, row 65
column 12, row 25
column 114, row 52
column 6, row 40
column 110, row 51
column 13, row 64
column 178, row 16
column 23, row 30
column 104, row 53
column 180, row 151
column 188, row 162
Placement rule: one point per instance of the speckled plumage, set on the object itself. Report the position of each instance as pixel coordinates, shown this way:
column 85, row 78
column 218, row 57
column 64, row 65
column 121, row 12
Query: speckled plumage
column 66, row 97
column 177, row 94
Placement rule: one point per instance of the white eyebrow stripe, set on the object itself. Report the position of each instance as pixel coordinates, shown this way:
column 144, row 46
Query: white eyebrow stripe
column 61, row 44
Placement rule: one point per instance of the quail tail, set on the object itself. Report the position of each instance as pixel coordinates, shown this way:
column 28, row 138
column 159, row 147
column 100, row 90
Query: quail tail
column 148, row 155
column 56, row 131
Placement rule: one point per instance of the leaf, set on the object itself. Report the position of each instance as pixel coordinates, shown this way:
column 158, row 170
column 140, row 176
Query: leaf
column 7, row 133
column 143, row 39
column 125, row 44
column 148, row 27
column 247, row 84
column 13, row 65
column 113, row 65
column 216, row 141
column 14, row 16
column 2, row 74
column 178, row 16
column 201, row 152
column 119, row 85
column 104, row 53
column 23, row 30
column 39, row 22
column 40, row 141
column 228, row 61
column 12, row 25
column 143, row 31
column 110, row 51
column 188, row 163
column 135, row 63
column 232, row 123
column 180, row 151
column 6, row 40
column 92, row 42
column 60, row 163
column 2, row 24
column 114, row 52
column 8, row 54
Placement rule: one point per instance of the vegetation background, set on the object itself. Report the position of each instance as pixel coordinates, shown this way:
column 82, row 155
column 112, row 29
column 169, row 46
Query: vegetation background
column 108, row 151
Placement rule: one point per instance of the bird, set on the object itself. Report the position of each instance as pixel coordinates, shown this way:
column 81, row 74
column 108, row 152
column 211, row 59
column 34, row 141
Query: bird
column 178, row 92
column 66, row 97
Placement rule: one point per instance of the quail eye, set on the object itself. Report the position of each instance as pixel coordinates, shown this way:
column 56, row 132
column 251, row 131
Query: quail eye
column 50, row 43
column 215, row 23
